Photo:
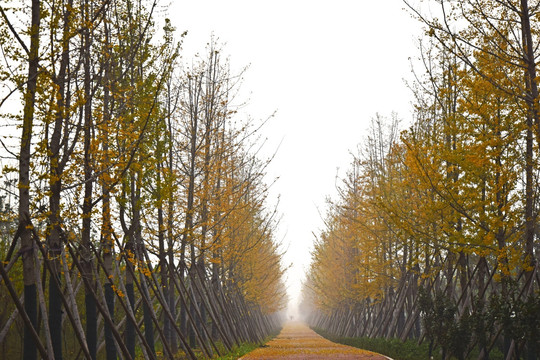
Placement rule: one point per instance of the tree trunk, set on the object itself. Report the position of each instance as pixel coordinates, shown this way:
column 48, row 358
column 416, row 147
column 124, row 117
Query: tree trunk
column 107, row 243
column 87, row 263
column 27, row 246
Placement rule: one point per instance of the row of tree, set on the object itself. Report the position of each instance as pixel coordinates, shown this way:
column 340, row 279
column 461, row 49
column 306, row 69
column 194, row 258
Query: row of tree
column 434, row 234
column 142, row 227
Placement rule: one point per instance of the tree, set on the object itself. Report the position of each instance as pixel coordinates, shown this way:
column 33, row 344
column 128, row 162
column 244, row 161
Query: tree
column 107, row 137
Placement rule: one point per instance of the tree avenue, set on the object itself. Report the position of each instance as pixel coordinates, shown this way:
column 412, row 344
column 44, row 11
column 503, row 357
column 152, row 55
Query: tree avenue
column 134, row 215
column 433, row 236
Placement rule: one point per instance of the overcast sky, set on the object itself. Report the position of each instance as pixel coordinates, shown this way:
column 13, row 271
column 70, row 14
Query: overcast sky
column 326, row 67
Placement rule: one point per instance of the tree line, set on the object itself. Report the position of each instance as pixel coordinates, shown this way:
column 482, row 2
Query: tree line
column 134, row 215
column 434, row 233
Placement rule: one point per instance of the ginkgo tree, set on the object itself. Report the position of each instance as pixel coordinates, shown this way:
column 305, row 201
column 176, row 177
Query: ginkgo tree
column 447, row 209
column 139, row 201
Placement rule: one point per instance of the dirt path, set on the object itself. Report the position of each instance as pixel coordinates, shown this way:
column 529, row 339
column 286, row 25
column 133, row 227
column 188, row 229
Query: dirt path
column 297, row 341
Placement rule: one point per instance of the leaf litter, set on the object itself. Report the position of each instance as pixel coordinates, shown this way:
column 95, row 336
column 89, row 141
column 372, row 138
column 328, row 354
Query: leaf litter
column 298, row 341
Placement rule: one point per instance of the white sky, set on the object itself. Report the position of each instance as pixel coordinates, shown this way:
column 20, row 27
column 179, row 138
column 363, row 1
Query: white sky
column 327, row 67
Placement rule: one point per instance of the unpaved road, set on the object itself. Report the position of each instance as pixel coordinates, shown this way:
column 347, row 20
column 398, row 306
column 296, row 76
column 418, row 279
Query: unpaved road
column 297, row 341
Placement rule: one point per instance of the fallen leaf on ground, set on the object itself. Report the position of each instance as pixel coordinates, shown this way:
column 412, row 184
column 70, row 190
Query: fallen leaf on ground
column 298, row 341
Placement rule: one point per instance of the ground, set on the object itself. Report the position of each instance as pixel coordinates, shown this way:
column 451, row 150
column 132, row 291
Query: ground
column 298, row 341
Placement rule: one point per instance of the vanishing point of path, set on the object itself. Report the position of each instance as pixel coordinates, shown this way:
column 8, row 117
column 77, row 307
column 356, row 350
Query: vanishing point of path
column 297, row 341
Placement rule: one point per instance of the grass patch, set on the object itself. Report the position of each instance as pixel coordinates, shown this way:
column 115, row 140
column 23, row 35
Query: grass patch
column 394, row 348
column 235, row 353
column 397, row 349
column 239, row 351
column 245, row 348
